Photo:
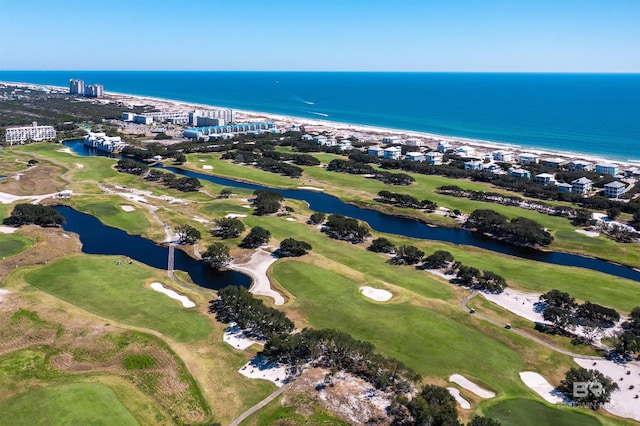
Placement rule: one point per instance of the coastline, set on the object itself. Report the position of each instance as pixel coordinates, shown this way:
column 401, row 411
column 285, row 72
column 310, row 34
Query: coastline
column 343, row 129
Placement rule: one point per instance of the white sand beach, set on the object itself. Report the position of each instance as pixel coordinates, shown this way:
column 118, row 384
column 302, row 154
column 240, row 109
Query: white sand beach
column 541, row 386
column 172, row 294
column 623, row 402
column 261, row 368
column 467, row 384
column 256, row 268
column 377, row 294
column 455, row 393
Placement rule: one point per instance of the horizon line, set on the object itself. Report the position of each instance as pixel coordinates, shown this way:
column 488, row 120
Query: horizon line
column 333, row 71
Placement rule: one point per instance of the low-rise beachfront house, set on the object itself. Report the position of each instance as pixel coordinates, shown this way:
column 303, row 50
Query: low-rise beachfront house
column 631, row 172
column 465, row 151
column 614, row 189
column 495, row 169
column 127, row 116
column 520, row 173
column 582, row 185
column 504, row 156
column 392, row 153
column 545, row 179
column 564, row 187
column 320, row 139
column 607, row 169
column 415, row 156
column 143, row 119
column 102, row 142
column 392, row 140
column 553, row 163
column 330, row 142
column 33, row 133
column 345, row 145
column 433, row 158
column 580, row 165
column 375, row 151
column 229, row 129
column 307, row 138
column 526, row 158
column 415, row 142
column 475, row 165
column 443, row 146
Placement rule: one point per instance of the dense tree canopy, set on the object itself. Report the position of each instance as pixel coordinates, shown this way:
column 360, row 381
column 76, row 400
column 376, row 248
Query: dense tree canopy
column 519, row 231
column 217, row 255
column 346, row 229
column 187, row 234
column 588, row 387
column 34, row 214
column 438, row 259
column 256, row 237
column 381, row 245
column 294, row 248
column 266, row 202
column 317, row 218
column 407, row 255
column 228, row 227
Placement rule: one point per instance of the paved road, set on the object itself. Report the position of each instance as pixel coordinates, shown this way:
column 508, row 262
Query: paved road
column 465, row 301
column 258, row 406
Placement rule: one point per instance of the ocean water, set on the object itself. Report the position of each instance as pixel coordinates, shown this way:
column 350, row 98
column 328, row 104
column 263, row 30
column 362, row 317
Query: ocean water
column 595, row 114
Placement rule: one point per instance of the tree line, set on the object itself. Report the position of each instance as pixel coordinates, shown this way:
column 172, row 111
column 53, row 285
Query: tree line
column 170, row 180
column 518, row 231
column 34, row 214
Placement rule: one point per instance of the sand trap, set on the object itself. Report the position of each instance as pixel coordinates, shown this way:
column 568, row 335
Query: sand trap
column 260, row 368
column 172, row 294
column 311, row 188
column 256, row 268
column 456, row 394
column 7, row 229
column 207, row 167
column 462, row 381
column 234, row 336
column 540, row 386
column 588, row 233
column 376, row 294
column 67, row 150
column 127, row 208
column 80, row 166
column 3, row 292
column 623, row 402
column 246, row 206
column 233, row 215
column 200, row 219
column 290, row 219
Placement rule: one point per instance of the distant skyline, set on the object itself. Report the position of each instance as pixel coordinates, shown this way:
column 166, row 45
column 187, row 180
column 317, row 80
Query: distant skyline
column 331, row 35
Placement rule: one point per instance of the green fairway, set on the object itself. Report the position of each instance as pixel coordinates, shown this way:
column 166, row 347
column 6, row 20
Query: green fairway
column 11, row 244
column 68, row 404
column 108, row 210
column 97, row 284
column 526, row 412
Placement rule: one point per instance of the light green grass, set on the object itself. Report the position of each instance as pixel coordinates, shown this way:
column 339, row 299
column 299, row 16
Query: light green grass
column 98, row 285
column 67, row 404
column 11, row 244
column 108, row 210
column 526, row 412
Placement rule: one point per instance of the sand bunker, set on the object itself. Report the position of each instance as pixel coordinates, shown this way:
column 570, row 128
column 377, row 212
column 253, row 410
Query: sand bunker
column 236, row 215
column 127, row 208
column 172, row 294
column 376, row 294
column 207, row 167
column 80, row 166
column 261, row 368
column 463, row 382
column 540, row 386
column 290, row 219
column 200, row 219
column 234, row 336
column 7, row 229
column 67, row 150
column 456, row 394
column 623, row 402
column 3, row 292
column 588, row 233
column 311, row 188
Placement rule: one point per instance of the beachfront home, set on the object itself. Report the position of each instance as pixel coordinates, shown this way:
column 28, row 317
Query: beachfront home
column 443, row 146
column 564, row 187
column 103, row 142
column 344, row 145
column 306, row 138
column 545, row 179
column 614, row 189
column 433, row 158
column 504, row 156
column 526, row 158
column 392, row 140
column 127, row 116
column 553, row 163
column 392, row 153
column 475, row 165
column 465, row 151
column 520, row 173
column 320, row 139
column 607, row 169
column 143, row 119
column 415, row 142
column 375, row 151
column 415, row 156
column 579, row 165
column 582, row 185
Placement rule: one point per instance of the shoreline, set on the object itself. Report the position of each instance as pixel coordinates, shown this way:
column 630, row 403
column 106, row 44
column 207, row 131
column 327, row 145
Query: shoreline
column 344, row 129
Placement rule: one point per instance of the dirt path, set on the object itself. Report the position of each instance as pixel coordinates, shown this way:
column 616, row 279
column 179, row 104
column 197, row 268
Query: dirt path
column 258, row 406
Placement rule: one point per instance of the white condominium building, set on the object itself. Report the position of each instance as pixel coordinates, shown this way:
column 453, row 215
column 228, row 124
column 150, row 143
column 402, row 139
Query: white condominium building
column 76, row 87
column 94, row 90
column 34, row 132
column 214, row 117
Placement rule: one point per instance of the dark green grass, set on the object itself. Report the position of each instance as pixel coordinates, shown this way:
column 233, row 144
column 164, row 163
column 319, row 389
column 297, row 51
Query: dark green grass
column 526, row 412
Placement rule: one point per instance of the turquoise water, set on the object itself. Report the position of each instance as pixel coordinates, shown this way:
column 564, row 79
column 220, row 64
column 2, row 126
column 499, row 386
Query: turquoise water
column 596, row 114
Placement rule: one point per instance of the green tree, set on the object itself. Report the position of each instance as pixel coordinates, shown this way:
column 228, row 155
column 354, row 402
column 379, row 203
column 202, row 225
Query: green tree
column 626, row 343
column 559, row 299
column 407, row 255
column 187, row 234
column 34, row 214
column 180, row 158
column 438, row 259
column 256, row 237
column 562, row 319
column 381, row 245
column 228, row 227
column 294, row 248
column 589, row 387
column 225, row 193
column 317, row 218
column 217, row 255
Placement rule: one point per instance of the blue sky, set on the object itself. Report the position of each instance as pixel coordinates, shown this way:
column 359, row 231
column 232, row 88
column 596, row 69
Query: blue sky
column 340, row 35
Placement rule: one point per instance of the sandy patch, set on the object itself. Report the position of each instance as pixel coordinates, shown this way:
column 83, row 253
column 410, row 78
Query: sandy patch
column 256, row 268
column 588, row 233
column 234, row 215
column 463, row 382
column 17, row 176
column 290, row 219
column 7, row 229
column 34, row 199
column 540, row 386
column 127, row 208
column 207, row 167
column 172, row 294
column 261, row 368
column 623, row 402
column 234, row 336
column 80, row 166
column 66, row 150
column 3, row 292
column 200, row 219
column 456, row 394
column 246, row 206
column 376, row 294
column 441, row 274
column 202, row 161
column 311, row 188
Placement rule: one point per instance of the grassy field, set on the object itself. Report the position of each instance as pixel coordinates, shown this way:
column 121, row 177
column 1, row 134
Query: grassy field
column 98, row 285
column 108, row 210
column 11, row 244
column 66, row 404
column 526, row 412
